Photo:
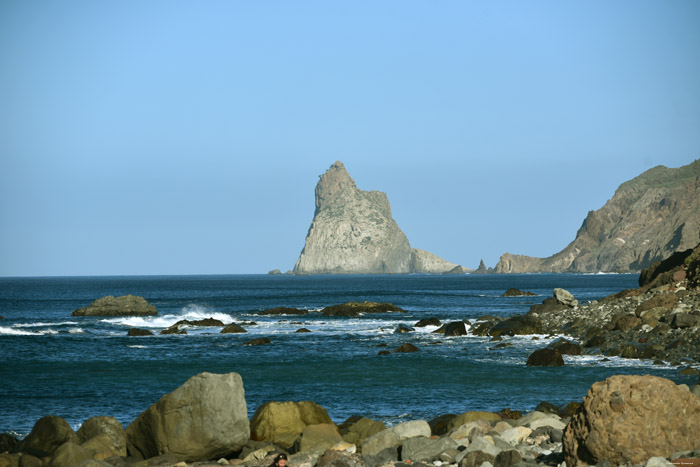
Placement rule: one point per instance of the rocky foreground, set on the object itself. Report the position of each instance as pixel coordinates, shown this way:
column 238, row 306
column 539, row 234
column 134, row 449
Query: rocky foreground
column 624, row 420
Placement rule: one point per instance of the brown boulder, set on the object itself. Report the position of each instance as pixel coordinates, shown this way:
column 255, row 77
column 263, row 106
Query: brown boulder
column 318, row 437
column 357, row 308
column 103, row 435
column 627, row 419
column 47, row 435
column 666, row 300
column 137, row 332
column 282, row 422
column 233, row 328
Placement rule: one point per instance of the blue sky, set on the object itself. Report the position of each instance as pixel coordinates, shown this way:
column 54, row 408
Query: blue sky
column 172, row 137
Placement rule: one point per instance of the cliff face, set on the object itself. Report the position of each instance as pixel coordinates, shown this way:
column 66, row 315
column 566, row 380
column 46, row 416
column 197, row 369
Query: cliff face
column 649, row 218
column 353, row 232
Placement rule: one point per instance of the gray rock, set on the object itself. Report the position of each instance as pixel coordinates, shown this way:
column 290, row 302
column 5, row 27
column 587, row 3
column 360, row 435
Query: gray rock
column 395, row 435
column 684, row 320
column 476, row 459
column 204, row 418
column 565, row 297
column 658, row 462
column 421, row 449
column 483, row 445
column 507, row 458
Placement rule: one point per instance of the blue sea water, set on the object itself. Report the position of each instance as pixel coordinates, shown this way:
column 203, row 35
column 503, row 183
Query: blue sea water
column 79, row 367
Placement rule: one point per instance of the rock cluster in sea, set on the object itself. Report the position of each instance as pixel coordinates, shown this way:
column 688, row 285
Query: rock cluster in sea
column 624, row 420
column 353, row 232
column 126, row 305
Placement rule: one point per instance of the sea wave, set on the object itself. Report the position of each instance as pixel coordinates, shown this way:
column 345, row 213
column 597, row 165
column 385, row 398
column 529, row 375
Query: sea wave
column 42, row 324
column 192, row 312
column 11, row 331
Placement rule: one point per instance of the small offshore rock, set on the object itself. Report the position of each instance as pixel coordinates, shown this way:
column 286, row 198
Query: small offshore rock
column 406, row 348
column 455, row 328
column 403, row 329
column 517, row 293
column 258, row 341
column 233, row 328
column 428, row 322
column 283, row 310
column 137, row 332
column 126, row 305
column 545, row 357
column 356, row 308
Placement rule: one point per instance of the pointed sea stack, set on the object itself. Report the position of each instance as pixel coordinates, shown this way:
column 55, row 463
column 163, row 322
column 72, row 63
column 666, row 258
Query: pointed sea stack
column 353, row 232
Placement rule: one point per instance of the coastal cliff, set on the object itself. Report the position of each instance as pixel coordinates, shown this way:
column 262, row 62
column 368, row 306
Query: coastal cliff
column 649, row 218
column 353, row 232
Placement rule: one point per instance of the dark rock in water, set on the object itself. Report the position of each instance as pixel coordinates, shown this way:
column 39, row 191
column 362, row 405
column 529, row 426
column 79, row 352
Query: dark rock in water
column 173, row 330
column 205, row 418
column 8, row 443
column 136, row 332
column 383, row 352
column 406, row 348
column 258, row 341
column 517, row 325
column 440, row 330
column 302, row 330
column 566, row 347
column 200, row 322
column 274, row 272
column 627, row 419
column 545, row 357
column 455, row 328
column 403, row 329
column 440, row 425
column 428, row 322
column 283, row 310
column 126, row 305
column 233, row 328
column 357, row 308
column 47, row 435
column 517, row 293
column 482, row 328
column 688, row 371
column 548, row 305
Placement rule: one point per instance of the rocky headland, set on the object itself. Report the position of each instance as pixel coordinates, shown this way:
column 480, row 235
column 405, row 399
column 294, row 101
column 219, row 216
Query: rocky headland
column 649, row 218
column 353, row 232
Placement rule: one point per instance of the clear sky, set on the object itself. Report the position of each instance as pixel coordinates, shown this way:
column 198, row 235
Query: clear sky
column 186, row 137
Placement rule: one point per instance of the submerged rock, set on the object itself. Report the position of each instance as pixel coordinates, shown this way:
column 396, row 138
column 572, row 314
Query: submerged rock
column 517, row 293
column 357, row 308
column 545, row 357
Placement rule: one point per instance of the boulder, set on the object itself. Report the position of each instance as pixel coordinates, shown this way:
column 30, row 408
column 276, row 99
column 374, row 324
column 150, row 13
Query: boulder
column 624, row 322
column 440, row 425
column 394, row 436
column 47, row 435
column 627, row 419
column 9, row 460
column 545, row 357
column 467, row 417
column 482, row 444
column 318, row 437
column 422, row 449
column 477, row 459
column 282, row 422
column 565, row 297
column 358, row 431
column 302, row 330
column 103, row 435
column 455, row 328
column 665, row 300
column 507, row 458
column 126, row 305
column 8, row 443
column 136, row 332
column 205, row 418
column 357, row 308
column 684, row 320
column 70, row 454
column 233, row 328
column 335, row 458
column 548, row 305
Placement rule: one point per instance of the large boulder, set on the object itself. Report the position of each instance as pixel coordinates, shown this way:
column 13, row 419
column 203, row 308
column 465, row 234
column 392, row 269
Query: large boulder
column 205, row 418
column 517, row 326
column 565, row 297
column 47, row 435
column 627, row 419
column 358, row 308
column 126, row 305
column 103, row 435
column 70, row 454
column 394, row 436
column 455, row 328
column 319, row 437
column 282, row 422
column 361, row 429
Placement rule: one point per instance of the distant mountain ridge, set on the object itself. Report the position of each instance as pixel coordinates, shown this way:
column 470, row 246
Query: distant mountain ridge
column 649, row 218
column 353, row 232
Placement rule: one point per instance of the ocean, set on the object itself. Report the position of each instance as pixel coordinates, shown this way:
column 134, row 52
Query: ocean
column 79, row 367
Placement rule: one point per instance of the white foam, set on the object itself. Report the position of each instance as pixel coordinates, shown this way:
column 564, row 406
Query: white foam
column 40, row 324
column 190, row 312
column 76, row 331
column 5, row 331
column 137, row 346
